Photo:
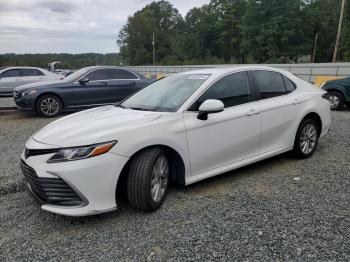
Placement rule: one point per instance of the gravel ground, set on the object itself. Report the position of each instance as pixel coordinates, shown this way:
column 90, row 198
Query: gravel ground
column 280, row 209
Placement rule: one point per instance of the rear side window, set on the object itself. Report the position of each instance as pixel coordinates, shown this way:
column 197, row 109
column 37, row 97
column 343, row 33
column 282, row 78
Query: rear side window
column 290, row 86
column 31, row 72
column 120, row 74
column 232, row 90
column 11, row 73
column 271, row 84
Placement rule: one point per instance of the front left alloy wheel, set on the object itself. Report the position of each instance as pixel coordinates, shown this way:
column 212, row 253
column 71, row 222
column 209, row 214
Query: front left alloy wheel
column 148, row 179
column 49, row 106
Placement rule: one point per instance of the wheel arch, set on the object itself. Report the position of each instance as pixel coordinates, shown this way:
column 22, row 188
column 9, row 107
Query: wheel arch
column 48, row 93
column 338, row 89
column 177, row 166
column 316, row 117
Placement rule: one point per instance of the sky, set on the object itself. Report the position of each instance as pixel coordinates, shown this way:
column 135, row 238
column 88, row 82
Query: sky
column 69, row 26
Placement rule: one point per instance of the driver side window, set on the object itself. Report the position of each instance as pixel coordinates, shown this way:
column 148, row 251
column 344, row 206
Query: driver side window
column 232, row 90
column 99, row 74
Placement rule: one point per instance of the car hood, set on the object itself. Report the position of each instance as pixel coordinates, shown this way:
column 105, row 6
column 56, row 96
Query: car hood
column 93, row 126
column 338, row 81
column 43, row 84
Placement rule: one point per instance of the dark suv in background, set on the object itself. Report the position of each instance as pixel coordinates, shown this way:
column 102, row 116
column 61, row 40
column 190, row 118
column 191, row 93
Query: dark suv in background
column 87, row 87
column 338, row 92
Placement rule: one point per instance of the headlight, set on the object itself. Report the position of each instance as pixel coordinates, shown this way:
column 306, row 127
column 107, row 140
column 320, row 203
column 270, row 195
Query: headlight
column 29, row 93
column 321, row 86
column 81, row 152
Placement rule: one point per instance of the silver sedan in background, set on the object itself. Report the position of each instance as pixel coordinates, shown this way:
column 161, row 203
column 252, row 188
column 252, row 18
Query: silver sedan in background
column 11, row 77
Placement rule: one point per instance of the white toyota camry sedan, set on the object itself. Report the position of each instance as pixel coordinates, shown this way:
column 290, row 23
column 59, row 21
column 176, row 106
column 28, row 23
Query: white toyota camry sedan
column 184, row 128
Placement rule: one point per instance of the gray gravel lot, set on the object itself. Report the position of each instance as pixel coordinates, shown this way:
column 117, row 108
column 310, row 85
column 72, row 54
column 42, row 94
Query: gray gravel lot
column 281, row 209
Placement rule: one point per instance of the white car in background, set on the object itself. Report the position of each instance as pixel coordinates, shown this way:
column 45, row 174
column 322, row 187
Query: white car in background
column 186, row 127
column 11, row 77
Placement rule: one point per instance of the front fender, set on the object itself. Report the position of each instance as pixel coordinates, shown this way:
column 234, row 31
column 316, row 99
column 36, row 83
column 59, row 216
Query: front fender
column 166, row 131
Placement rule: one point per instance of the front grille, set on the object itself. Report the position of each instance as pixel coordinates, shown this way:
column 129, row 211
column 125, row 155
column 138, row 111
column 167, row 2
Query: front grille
column 36, row 152
column 53, row 191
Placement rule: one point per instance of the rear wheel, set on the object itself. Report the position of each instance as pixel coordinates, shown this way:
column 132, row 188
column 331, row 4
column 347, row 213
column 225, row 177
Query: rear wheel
column 336, row 99
column 306, row 139
column 148, row 179
column 49, row 106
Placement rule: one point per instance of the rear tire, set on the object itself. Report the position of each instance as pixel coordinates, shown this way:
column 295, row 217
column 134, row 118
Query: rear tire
column 49, row 106
column 336, row 99
column 306, row 139
column 148, row 179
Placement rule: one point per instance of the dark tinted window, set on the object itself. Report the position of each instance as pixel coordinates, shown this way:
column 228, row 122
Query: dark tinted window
column 232, row 90
column 120, row 74
column 31, row 72
column 105, row 74
column 289, row 84
column 270, row 84
column 11, row 73
column 99, row 74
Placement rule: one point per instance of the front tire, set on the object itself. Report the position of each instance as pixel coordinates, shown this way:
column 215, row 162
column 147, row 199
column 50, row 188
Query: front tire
column 306, row 139
column 49, row 106
column 336, row 99
column 148, row 179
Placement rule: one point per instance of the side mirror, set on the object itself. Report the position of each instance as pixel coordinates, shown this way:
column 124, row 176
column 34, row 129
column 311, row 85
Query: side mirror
column 83, row 80
column 210, row 106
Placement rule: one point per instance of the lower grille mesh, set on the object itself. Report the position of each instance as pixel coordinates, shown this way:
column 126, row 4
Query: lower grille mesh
column 53, row 191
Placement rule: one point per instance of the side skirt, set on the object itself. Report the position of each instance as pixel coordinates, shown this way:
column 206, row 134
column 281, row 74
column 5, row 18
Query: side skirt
column 235, row 165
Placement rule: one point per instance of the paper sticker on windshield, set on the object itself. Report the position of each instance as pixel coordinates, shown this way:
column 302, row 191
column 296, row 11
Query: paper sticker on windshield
column 198, row 77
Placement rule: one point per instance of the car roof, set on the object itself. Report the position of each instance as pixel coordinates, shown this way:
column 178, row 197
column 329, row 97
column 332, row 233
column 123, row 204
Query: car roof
column 20, row 67
column 89, row 68
column 232, row 69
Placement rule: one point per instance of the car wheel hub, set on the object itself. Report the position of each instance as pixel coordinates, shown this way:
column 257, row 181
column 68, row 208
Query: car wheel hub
column 160, row 176
column 308, row 139
column 49, row 106
column 334, row 100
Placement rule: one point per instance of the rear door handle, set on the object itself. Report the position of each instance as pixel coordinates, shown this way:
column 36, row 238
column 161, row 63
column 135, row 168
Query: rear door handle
column 296, row 101
column 252, row 112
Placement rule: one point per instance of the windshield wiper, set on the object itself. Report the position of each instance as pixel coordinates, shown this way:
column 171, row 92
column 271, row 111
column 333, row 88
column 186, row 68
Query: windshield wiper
column 120, row 105
column 142, row 109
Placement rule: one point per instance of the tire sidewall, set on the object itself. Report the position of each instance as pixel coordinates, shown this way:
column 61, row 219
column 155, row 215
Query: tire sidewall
column 39, row 101
column 297, row 147
column 155, row 205
column 140, row 178
column 340, row 97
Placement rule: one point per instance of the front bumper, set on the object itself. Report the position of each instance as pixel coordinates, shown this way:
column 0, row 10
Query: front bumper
column 94, row 180
column 24, row 103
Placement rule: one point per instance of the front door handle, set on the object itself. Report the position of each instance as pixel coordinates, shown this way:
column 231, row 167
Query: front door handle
column 252, row 112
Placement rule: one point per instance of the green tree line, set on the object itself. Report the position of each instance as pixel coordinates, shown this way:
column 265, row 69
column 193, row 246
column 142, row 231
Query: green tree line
column 68, row 61
column 236, row 31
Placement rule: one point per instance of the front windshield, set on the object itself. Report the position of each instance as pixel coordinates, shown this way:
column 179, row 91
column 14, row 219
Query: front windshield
column 74, row 76
column 166, row 95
